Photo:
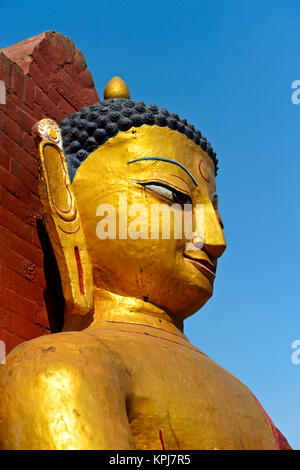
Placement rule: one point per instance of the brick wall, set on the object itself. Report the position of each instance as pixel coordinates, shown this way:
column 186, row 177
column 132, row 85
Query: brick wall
column 45, row 76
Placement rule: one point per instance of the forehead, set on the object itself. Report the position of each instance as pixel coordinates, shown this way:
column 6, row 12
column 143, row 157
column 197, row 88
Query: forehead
column 143, row 143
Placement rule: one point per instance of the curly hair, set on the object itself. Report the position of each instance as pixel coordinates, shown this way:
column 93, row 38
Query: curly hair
column 86, row 130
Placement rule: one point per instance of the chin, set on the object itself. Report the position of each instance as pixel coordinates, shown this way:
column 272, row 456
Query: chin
column 189, row 300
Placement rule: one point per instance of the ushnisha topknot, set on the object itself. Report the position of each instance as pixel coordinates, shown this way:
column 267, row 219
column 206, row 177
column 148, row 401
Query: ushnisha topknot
column 86, row 130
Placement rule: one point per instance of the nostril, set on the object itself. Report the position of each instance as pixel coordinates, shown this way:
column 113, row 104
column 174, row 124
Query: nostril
column 198, row 242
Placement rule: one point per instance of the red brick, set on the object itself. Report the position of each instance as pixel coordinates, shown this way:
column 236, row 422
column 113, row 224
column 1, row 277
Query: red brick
column 19, row 325
column 86, row 78
column 11, row 108
column 38, row 77
column 26, row 121
column 29, row 161
column 13, row 130
column 4, row 159
column 14, row 224
column 29, row 180
column 65, row 106
column 37, row 205
column 11, row 339
column 53, row 94
column 19, row 304
column 17, row 81
column 17, row 263
column 15, row 168
column 4, row 236
column 28, row 143
column 5, row 69
column 8, row 144
column 67, row 88
column 15, row 282
column 24, row 248
column 43, row 65
column 16, row 206
column 56, row 83
column 29, row 92
column 12, row 184
column 79, row 63
column 40, row 278
column 56, row 50
column 48, row 107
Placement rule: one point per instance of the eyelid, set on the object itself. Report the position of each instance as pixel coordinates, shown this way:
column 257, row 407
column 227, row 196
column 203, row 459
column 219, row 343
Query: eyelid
column 166, row 183
column 151, row 185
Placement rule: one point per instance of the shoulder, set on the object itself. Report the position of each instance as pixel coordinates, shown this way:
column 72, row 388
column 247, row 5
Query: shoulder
column 60, row 347
column 57, row 385
column 72, row 355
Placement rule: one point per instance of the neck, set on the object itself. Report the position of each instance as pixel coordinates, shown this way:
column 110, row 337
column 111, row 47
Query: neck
column 110, row 308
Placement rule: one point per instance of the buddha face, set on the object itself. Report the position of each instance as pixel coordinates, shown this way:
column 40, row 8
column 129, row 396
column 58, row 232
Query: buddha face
column 127, row 179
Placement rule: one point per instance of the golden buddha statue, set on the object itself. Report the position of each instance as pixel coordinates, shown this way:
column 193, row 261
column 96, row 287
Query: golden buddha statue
column 121, row 374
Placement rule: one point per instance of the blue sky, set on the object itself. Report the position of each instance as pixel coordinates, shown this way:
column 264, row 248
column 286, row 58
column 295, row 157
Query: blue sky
column 227, row 66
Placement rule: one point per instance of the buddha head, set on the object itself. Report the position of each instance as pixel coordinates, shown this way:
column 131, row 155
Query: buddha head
column 120, row 182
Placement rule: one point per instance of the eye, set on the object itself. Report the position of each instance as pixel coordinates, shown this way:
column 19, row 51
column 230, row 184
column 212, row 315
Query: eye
column 215, row 206
column 168, row 193
column 215, row 201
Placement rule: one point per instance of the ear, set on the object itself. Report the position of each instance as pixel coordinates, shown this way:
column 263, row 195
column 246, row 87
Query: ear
column 64, row 227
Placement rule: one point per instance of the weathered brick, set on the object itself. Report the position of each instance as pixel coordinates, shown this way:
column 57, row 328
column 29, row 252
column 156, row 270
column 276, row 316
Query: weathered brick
column 12, row 184
column 24, row 248
column 45, row 76
column 17, row 81
column 11, row 339
column 29, row 91
column 28, row 143
column 5, row 69
column 38, row 77
column 4, row 159
column 48, row 107
column 15, row 282
column 20, row 305
column 29, row 161
column 13, row 130
column 29, row 180
column 14, row 224
column 11, row 108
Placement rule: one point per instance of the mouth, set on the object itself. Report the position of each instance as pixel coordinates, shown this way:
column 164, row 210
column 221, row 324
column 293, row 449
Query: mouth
column 201, row 261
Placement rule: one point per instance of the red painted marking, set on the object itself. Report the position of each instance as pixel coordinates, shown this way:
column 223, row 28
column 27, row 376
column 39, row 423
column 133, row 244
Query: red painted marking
column 79, row 268
column 62, row 217
column 271, row 424
column 162, row 440
column 149, row 326
column 69, row 233
column 200, row 171
column 183, row 181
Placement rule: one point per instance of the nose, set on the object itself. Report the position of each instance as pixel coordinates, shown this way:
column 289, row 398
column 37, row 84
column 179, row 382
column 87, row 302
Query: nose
column 214, row 242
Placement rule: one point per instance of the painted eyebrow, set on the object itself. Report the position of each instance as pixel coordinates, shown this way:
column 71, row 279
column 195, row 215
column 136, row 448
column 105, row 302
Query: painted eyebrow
column 168, row 160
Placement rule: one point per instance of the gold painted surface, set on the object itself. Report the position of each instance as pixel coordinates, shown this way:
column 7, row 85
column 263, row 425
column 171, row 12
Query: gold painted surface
column 131, row 372
column 64, row 225
column 116, row 88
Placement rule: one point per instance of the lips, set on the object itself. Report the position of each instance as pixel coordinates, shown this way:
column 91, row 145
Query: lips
column 201, row 261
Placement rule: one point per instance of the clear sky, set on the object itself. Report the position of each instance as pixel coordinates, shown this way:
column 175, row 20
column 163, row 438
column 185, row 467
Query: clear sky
column 227, row 66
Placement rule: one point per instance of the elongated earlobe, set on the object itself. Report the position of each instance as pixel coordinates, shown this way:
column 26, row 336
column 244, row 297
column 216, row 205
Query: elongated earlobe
column 64, row 228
